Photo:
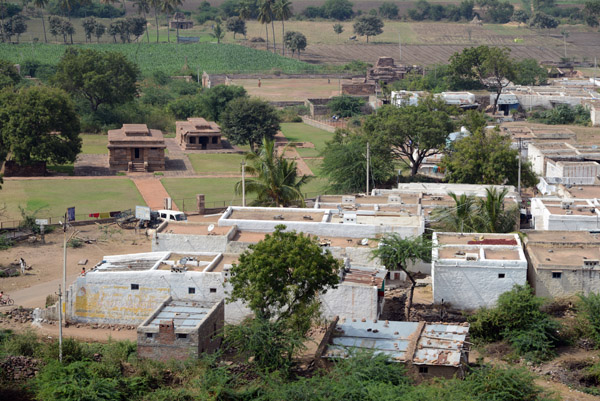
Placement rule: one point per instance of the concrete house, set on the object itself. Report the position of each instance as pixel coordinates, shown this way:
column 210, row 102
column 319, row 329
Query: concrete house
column 198, row 134
column 135, row 147
column 563, row 263
column 471, row 270
column 556, row 214
column 179, row 329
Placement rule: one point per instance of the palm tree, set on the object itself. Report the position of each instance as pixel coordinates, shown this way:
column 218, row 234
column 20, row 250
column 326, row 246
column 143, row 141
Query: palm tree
column 395, row 252
column 276, row 182
column 143, row 7
column 266, row 8
column 168, row 7
column 459, row 218
column 493, row 216
column 218, row 32
column 264, row 17
column 156, row 6
column 41, row 4
column 244, row 10
column 283, row 11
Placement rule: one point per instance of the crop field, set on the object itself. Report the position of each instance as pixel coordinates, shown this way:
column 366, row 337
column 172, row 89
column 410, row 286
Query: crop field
column 51, row 197
column 170, row 58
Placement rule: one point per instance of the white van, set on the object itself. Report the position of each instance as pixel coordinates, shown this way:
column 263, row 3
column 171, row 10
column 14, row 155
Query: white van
column 171, row 215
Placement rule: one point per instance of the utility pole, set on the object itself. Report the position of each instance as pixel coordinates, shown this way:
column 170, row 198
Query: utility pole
column 368, row 162
column 64, row 284
column 244, row 183
column 60, row 336
column 519, row 177
column 399, row 48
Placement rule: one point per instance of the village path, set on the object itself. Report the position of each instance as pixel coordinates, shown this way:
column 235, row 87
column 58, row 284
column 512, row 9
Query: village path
column 291, row 153
column 152, row 190
column 177, row 164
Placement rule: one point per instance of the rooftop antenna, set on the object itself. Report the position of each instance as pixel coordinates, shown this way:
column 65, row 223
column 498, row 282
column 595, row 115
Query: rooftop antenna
column 211, row 228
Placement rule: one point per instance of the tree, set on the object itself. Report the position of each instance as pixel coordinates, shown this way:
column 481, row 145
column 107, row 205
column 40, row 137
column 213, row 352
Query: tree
column 280, row 276
column 248, row 121
column 99, row 31
column 541, row 20
column 491, row 66
column 500, row 12
column 388, row 10
column 18, row 25
column 591, row 12
column 218, row 32
column 61, row 26
column 529, row 72
column 89, row 27
column 338, row 28
column 136, row 26
column 481, row 158
column 98, row 77
column 520, row 16
column 283, row 11
column 395, row 252
column 460, row 217
column 265, row 17
column 295, row 41
column 345, row 162
column 368, row 25
column 9, row 76
column 346, row 106
column 39, row 123
column 276, row 182
column 143, row 8
column 340, row 10
column 114, row 29
column 41, row 4
column 156, row 6
column 412, row 132
column 213, row 101
column 236, row 25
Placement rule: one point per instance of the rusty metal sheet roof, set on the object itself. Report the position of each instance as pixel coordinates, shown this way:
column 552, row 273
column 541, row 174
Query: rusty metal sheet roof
column 441, row 344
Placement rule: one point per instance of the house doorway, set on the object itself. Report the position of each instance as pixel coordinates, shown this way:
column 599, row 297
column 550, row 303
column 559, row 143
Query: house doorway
column 136, row 154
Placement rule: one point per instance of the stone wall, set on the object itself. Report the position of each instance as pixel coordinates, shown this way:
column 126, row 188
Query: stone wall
column 358, row 89
column 13, row 169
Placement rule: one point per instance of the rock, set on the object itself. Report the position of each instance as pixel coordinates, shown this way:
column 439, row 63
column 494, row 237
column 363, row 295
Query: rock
column 82, row 262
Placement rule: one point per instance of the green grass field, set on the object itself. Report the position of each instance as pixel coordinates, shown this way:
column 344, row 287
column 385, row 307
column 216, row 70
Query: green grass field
column 315, row 166
column 50, row 198
column 215, row 163
column 299, row 132
column 170, row 58
column 94, row 144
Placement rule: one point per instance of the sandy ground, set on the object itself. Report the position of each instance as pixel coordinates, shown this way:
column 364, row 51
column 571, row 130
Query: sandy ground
column 291, row 89
column 46, row 260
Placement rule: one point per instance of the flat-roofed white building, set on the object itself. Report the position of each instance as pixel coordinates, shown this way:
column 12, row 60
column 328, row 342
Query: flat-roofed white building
column 471, row 270
column 556, row 214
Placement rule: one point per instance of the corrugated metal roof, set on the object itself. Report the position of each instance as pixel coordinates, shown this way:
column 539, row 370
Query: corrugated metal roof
column 438, row 344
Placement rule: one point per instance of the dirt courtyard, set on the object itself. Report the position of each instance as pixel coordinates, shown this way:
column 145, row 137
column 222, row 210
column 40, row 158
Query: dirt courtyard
column 292, row 89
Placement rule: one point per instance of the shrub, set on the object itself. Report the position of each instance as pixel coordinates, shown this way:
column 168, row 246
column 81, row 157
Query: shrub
column 5, row 242
column 564, row 114
column 346, row 106
column 590, row 310
column 51, row 300
column 75, row 243
column 506, row 384
column 23, row 344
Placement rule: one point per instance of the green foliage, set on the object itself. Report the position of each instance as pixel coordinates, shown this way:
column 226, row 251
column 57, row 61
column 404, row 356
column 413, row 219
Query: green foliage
column 412, row 133
column 206, row 12
column 295, row 41
column 214, row 101
column 492, row 383
column 395, row 252
column 236, row 25
column 483, row 215
column 543, row 21
column 340, row 10
column 518, row 318
column 563, row 114
column 338, row 28
column 218, row 32
column 591, row 12
column 346, row 106
column 388, row 10
column 275, row 179
column 281, row 275
column 435, row 81
column 25, row 344
column 99, row 77
column 248, row 121
column 9, row 76
column 5, row 242
column 368, row 25
column 590, row 309
column 500, row 12
column 425, row 11
column 27, row 119
column 345, row 163
column 86, row 9
column 530, row 72
column 480, row 158
column 75, row 243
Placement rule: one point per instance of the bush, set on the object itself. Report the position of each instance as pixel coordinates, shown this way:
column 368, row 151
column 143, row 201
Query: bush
column 346, row 106
column 563, row 114
column 5, row 242
column 75, row 243
column 506, row 384
column 590, row 310
column 23, row 344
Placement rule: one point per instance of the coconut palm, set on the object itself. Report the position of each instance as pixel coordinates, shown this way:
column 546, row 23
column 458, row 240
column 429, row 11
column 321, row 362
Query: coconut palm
column 494, row 217
column 283, row 11
column 459, row 217
column 244, row 10
column 395, row 252
column 276, row 182
column 266, row 8
column 264, row 17
column 143, row 7
column 41, row 4
column 156, row 6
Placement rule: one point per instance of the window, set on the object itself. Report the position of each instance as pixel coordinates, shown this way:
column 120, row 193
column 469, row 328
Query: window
column 501, row 275
column 135, row 286
column 215, row 139
column 213, row 290
column 181, row 336
column 423, row 369
column 192, row 139
column 556, row 274
column 191, row 290
column 149, row 335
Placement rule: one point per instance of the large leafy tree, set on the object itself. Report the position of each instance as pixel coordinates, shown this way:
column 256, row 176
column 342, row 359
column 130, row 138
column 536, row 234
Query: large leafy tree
column 38, row 123
column 236, row 25
column 9, row 76
column 368, row 25
column 345, row 162
column 282, row 275
column 483, row 215
column 98, row 77
column 248, row 121
column 412, row 132
column 338, row 9
column 491, row 66
column 396, row 252
column 276, row 181
column 486, row 158
column 213, row 101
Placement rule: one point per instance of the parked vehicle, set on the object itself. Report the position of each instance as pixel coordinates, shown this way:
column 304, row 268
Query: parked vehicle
column 171, row 215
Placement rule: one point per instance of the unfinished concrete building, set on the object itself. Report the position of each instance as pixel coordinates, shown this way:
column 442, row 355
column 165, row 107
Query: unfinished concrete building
column 385, row 70
column 470, row 271
column 428, row 349
column 181, row 329
column 563, row 263
column 198, row 134
column 136, row 148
